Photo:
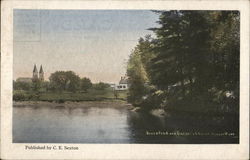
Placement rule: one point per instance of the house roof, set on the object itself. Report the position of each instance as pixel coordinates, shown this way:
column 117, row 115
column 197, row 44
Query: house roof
column 24, row 79
column 123, row 80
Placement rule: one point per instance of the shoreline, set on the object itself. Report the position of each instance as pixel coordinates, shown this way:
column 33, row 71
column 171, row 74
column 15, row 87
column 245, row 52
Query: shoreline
column 115, row 104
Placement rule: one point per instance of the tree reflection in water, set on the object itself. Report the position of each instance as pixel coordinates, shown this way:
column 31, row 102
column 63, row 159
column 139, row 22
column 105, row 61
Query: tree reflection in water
column 45, row 123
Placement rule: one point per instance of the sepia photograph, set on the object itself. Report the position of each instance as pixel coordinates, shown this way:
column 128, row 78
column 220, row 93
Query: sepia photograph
column 124, row 79
column 126, row 76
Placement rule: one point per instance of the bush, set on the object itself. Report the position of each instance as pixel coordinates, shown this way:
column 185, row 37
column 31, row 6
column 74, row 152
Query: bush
column 26, row 86
column 154, row 100
column 101, row 86
column 85, row 84
column 61, row 101
column 19, row 96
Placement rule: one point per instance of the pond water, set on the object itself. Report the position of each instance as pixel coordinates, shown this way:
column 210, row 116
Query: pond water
column 104, row 124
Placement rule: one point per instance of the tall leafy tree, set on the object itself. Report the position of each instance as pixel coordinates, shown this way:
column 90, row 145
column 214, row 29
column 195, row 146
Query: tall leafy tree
column 193, row 59
column 65, row 80
column 85, row 84
column 136, row 74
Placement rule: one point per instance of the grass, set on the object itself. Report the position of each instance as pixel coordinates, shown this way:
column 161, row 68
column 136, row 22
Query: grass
column 90, row 95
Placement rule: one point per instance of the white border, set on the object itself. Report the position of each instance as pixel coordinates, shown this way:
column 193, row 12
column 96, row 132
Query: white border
column 123, row 151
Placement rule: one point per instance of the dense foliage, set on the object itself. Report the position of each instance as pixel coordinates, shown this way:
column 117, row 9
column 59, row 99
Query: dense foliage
column 85, row 84
column 62, row 80
column 100, row 86
column 59, row 82
column 191, row 65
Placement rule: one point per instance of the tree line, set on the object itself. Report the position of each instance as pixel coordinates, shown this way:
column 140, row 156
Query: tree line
column 191, row 64
column 60, row 81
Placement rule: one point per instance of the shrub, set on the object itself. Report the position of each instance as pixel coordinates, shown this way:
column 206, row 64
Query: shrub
column 101, row 86
column 61, row 101
column 19, row 96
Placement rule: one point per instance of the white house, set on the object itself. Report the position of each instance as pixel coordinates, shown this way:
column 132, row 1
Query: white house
column 123, row 84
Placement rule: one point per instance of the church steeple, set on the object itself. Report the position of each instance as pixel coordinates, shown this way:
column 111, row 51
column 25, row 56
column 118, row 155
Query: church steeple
column 41, row 69
column 41, row 73
column 35, row 73
column 34, row 70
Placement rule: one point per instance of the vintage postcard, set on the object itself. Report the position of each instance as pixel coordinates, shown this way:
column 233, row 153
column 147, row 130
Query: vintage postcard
column 125, row 80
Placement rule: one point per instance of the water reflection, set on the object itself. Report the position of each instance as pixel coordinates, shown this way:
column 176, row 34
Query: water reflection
column 103, row 124
column 70, row 125
column 167, row 130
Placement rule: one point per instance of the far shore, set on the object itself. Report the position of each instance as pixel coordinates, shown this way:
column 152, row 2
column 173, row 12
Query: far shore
column 113, row 103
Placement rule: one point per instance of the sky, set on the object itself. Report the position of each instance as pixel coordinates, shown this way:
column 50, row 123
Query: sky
column 92, row 43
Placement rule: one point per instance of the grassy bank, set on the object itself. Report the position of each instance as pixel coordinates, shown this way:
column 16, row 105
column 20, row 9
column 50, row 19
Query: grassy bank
column 90, row 95
column 71, row 104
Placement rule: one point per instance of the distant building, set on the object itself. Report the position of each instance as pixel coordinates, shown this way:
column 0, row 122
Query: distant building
column 35, row 76
column 123, row 84
column 24, row 79
column 35, row 73
column 41, row 74
column 112, row 85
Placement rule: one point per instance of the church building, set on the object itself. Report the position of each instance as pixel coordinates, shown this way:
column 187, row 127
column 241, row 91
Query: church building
column 36, row 76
